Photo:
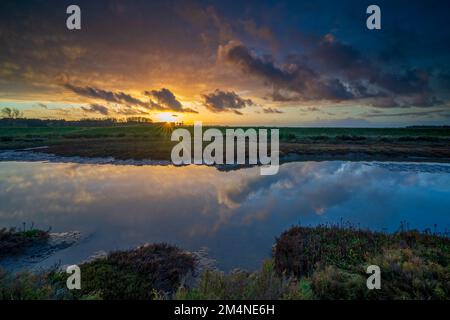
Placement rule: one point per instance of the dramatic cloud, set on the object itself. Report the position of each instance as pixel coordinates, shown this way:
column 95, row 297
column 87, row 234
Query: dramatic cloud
column 288, row 53
column 219, row 101
column 96, row 108
column 130, row 111
column 272, row 110
column 332, row 71
column 109, row 96
column 295, row 78
column 166, row 100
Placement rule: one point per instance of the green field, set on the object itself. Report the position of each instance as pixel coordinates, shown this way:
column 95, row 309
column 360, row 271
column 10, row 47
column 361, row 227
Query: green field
column 159, row 130
column 152, row 141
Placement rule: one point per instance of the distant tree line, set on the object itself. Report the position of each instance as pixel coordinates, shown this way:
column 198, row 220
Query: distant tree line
column 428, row 127
column 11, row 117
column 22, row 122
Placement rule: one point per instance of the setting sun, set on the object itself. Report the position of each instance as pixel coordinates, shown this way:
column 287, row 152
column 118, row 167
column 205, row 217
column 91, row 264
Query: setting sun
column 167, row 117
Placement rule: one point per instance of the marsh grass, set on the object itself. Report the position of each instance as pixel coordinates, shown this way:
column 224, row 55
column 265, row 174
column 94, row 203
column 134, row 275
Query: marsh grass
column 263, row 284
column 152, row 141
column 415, row 265
column 301, row 250
column 13, row 241
column 323, row 262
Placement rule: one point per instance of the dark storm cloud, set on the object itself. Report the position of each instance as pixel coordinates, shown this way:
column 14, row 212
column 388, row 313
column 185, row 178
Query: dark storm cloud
column 296, row 78
column 109, row 96
column 164, row 99
column 219, row 101
column 333, row 71
column 338, row 56
column 411, row 81
column 96, row 108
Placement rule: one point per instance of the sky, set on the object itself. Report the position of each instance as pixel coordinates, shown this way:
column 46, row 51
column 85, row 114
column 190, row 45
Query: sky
column 272, row 63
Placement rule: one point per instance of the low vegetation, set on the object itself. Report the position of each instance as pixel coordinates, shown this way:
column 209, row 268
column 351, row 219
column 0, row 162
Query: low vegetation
column 263, row 284
column 323, row 262
column 139, row 140
column 415, row 265
column 143, row 273
column 13, row 241
column 45, row 285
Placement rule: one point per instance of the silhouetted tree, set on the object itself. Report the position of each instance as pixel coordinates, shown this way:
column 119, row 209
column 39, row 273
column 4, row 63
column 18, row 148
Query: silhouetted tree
column 11, row 113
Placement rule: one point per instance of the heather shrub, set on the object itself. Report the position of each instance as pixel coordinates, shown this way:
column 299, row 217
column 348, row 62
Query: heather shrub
column 301, row 250
column 137, row 274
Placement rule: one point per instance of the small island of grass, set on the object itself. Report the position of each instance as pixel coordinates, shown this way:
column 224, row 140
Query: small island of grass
column 14, row 242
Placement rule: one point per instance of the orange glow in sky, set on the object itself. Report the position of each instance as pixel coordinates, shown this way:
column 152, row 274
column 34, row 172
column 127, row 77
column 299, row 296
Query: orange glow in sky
column 168, row 117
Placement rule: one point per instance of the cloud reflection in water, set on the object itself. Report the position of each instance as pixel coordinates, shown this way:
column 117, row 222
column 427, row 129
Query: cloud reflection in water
column 236, row 214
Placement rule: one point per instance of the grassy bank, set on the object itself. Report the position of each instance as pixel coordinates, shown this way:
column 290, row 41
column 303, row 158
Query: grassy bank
column 331, row 263
column 307, row 263
column 152, row 141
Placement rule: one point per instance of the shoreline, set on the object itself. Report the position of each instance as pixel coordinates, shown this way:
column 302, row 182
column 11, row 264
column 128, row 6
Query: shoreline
column 150, row 144
column 30, row 256
column 36, row 155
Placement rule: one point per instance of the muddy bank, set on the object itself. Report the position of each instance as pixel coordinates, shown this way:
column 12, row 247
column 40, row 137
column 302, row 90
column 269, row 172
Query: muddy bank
column 37, row 155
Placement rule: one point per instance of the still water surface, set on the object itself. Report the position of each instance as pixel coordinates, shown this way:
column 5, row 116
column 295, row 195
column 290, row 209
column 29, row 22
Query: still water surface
column 235, row 214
